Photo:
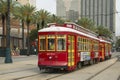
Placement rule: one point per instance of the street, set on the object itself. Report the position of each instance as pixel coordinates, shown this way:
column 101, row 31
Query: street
column 25, row 68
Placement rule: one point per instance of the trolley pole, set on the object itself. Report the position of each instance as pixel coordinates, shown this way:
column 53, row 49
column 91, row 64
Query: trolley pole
column 8, row 58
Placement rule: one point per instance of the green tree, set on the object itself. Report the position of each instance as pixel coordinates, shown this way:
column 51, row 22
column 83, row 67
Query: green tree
column 55, row 19
column 117, row 45
column 33, row 35
column 86, row 23
column 20, row 15
column 41, row 17
column 103, row 31
column 29, row 11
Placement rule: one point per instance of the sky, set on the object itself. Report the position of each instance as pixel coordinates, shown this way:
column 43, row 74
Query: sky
column 50, row 6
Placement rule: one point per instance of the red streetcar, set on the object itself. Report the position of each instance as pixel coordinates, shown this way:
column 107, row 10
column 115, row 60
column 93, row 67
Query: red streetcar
column 69, row 46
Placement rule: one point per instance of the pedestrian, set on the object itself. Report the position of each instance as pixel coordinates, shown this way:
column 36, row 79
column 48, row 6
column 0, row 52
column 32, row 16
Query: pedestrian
column 14, row 47
column 14, row 50
column 35, row 50
column 17, row 51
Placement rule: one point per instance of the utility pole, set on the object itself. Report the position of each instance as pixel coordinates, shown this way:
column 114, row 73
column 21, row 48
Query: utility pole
column 8, row 58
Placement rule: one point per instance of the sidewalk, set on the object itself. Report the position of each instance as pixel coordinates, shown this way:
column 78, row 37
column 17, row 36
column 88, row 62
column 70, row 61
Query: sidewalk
column 18, row 58
column 2, row 59
column 19, row 62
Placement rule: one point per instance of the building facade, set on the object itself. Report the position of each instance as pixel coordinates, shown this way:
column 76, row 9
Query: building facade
column 61, row 8
column 102, row 12
column 23, row 2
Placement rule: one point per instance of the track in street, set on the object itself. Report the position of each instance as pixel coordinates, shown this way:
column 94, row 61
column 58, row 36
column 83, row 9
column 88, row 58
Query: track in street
column 99, row 72
column 105, row 69
column 96, row 73
column 50, row 75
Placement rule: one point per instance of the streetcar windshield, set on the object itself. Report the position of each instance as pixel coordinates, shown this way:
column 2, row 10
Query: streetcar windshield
column 52, row 43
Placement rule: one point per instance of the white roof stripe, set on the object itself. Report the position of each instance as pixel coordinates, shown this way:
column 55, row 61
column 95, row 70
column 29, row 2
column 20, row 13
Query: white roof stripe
column 101, row 40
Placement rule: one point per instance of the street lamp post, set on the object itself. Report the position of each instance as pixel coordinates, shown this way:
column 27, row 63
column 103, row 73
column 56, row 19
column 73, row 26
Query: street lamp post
column 8, row 58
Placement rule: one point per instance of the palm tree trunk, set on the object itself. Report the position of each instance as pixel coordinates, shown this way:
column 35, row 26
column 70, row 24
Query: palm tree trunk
column 3, row 25
column 43, row 23
column 38, row 26
column 23, row 34
column 28, row 41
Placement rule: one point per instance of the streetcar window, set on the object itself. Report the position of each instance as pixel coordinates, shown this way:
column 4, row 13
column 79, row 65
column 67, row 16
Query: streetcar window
column 79, row 44
column 51, row 42
column 95, row 46
column 83, row 44
column 106, row 48
column 61, row 42
column 42, row 43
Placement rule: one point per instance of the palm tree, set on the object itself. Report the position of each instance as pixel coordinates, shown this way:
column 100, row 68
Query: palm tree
column 86, row 23
column 103, row 31
column 19, row 14
column 41, row 18
column 29, row 11
column 55, row 19
column 3, row 13
column 37, row 19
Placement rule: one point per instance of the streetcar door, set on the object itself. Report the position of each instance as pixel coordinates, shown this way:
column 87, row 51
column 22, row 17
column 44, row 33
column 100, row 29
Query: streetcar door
column 71, row 50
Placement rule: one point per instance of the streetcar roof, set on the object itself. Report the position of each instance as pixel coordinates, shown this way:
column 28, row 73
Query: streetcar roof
column 53, row 28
